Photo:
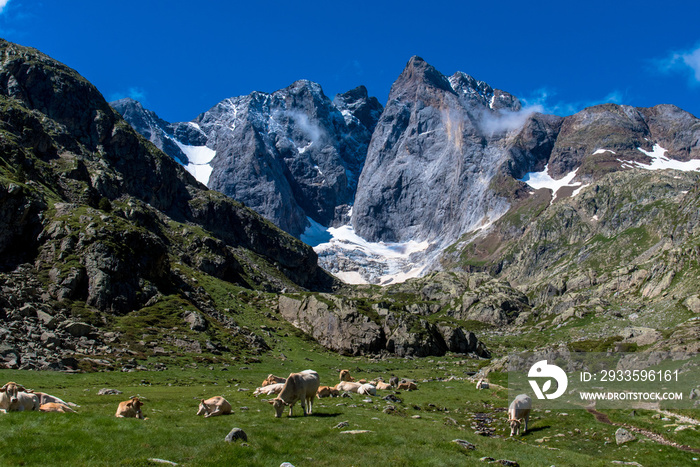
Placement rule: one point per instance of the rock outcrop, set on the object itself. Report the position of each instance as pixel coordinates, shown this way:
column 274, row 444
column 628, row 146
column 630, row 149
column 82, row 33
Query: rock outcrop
column 426, row 316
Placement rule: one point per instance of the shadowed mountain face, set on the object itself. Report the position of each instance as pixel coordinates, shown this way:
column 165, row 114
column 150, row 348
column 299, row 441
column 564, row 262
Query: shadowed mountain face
column 66, row 150
column 289, row 155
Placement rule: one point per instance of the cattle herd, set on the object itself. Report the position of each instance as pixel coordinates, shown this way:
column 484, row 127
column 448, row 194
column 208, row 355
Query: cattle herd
column 303, row 387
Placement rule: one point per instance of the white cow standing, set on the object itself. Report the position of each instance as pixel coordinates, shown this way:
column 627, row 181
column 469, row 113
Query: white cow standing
column 519, row 413
column 299, row 386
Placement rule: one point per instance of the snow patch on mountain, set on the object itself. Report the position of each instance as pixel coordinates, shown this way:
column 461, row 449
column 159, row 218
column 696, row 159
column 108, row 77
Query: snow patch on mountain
column 659, row 161
column 199, row 158
column 602, row 151
column 356, row 261
column 538, row 180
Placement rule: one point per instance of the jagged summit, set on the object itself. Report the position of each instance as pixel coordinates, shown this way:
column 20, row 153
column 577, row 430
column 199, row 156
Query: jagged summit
column 416, row 74
column 292, row 155
column 357, row 104
column 446, row 157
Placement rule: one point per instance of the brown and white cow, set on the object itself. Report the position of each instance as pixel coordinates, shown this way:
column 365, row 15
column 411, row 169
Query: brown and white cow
column 345, row 376
column 130, row 409
column 214, row 406
column 298, row 387
column 15, row 398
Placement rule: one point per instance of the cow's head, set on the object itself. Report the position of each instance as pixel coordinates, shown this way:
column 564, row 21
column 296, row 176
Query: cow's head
column 12, row 389
column 515, row 425
column 279, row 405
column 135, row 404
column 203, row 408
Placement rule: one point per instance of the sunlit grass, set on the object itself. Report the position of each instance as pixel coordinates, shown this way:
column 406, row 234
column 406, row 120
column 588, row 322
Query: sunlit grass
column 418, row 433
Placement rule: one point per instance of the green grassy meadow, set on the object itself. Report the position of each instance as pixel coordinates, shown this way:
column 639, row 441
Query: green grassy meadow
column 419, row 432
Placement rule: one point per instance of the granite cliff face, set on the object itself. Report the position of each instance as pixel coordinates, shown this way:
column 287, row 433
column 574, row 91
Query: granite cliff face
column 436, row 149
column 289, row 155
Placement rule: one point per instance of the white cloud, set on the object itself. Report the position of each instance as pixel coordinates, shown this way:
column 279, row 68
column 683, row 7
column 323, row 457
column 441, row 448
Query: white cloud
column 3, row 4
column 692, row 59
column 544, row 99
column 684, row 61
column 503, row 120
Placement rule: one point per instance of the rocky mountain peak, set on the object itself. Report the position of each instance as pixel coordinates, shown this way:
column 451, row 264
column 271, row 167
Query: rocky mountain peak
column 481, row 94
column 419, row 73
column 357, row 104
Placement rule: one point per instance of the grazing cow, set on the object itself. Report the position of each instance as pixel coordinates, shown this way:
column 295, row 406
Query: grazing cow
column 272, row 379
column 327, row 391
column 345, row 376
column 15, row 398
column 519, row 413
column 269, row 390
column 214, row 406
column 481, row 384
column 367, row 389
column 55, row 407
column 130, row 409
column 299, row 386
column 349, row 386
column 406, row 385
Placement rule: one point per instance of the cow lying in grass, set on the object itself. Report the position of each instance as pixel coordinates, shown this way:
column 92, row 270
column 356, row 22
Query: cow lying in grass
column 345, row 376
column 214, row 406
column 406, row 385
column 130, row 409
column 327, row 391
column 272, row 379
column 367, row 389
column 269, row 390
column 15, row 398
column 55, row 407
column 298, row 387
column 348, row 386
column 519, row 413
column 381, row 385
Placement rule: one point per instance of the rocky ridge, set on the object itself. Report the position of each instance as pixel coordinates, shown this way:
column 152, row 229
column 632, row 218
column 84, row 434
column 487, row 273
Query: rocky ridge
column 290, row 155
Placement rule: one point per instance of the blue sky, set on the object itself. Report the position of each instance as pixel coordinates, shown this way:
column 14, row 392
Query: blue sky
column 182, row 57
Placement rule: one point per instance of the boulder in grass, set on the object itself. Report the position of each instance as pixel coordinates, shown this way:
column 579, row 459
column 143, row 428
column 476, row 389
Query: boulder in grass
column 623, row 436
column 236, row 434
